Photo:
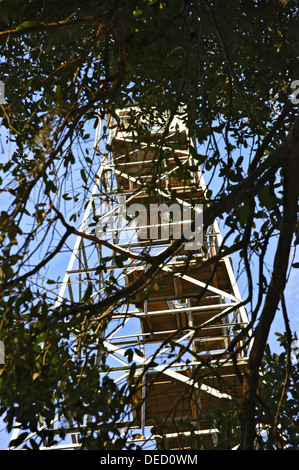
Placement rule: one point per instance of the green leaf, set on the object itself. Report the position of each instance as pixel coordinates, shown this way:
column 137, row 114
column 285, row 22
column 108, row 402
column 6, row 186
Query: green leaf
column 129, row 354
column 21, row 437
column 266, row 197
column 35, row 376
column 50, row 186
column 138, row 352
column 27, row 24
column 119, row 261
column 66, row 197
column 34, row 444
column 58, row 92
column 242, row 214
column 87, row 293
column 83, row 175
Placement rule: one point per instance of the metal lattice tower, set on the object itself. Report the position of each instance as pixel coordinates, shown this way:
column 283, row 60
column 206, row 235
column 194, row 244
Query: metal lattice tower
column 179, row 332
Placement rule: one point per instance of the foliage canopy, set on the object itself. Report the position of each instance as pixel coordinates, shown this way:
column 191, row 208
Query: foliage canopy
column 231, row 64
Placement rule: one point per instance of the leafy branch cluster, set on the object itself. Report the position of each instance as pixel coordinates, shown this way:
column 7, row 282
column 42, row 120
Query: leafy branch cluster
column 230, row 64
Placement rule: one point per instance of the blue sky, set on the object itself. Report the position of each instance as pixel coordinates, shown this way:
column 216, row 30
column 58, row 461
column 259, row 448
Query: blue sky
column 291, row 296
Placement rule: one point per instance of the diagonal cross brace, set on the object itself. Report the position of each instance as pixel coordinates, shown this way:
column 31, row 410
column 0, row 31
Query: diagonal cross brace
column 166, row 370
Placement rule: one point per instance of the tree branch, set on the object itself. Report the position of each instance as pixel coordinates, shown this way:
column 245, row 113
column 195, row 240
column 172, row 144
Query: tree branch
column 51, row 26
column 276, row 287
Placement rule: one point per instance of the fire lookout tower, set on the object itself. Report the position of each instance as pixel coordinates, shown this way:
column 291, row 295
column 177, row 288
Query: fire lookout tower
column 177, row 325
